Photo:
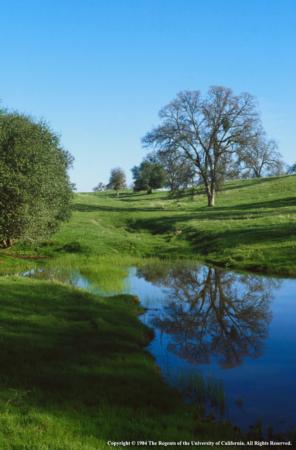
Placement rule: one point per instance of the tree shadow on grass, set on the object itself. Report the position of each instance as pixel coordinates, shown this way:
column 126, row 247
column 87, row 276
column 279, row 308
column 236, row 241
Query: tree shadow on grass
column 276, row 203
column 244, row 211
column 266, row 208
column 221, row 239
column 241, row 184
column 96, row 208
column 167, row 195
column 169, row 223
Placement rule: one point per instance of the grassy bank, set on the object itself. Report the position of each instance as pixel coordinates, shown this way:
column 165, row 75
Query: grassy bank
column 74, row 373
column 253, row 227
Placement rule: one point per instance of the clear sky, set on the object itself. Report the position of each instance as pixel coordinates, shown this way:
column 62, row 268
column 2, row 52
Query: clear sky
column 99, row 70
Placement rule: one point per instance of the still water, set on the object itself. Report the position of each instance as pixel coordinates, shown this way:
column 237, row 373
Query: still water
column 226, row 341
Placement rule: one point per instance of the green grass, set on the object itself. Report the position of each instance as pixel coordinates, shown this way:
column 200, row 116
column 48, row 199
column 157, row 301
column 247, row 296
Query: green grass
column 74, row 373
column 253, row 227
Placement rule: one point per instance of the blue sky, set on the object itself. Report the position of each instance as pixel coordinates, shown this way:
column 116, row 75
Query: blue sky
column 99, row 70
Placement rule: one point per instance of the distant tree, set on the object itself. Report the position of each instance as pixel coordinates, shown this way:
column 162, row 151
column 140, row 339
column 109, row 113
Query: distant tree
column 117, row 180
column 35, row 190
column 292, row 169
column 208, row 131
column 261, row 157
column 99, row 187
column 180, row 172
column 148, row 175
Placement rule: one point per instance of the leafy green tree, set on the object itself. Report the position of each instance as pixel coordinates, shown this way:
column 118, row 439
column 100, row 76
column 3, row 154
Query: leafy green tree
column 117, row 180
column 35, row 190
column 148, row 175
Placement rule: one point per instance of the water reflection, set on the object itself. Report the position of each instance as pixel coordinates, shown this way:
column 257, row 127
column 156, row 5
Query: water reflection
column 214, row 338
column 214, row 314
column 224, row 339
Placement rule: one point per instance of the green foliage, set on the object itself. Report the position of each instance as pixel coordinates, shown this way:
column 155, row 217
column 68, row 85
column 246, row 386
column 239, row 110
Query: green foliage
column 148, row 175
column 35, row 190
column 117, row 180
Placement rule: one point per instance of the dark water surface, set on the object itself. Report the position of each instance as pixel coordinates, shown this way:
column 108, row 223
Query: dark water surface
column 227, row 341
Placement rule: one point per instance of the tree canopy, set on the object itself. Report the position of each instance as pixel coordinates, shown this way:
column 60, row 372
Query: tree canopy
column 148, row 175
column 117, row 179
column 260, row 157
column 209, row 131
column 100, row 187
column 180, row 172
column 35, row 190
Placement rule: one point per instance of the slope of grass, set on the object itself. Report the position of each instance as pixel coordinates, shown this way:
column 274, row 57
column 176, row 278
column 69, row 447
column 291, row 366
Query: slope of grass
column 252, row 227
column 74, row 373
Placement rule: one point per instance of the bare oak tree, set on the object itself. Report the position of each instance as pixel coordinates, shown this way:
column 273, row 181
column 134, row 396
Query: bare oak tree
column 180, row 172
column 261, row 157
column 209, row 131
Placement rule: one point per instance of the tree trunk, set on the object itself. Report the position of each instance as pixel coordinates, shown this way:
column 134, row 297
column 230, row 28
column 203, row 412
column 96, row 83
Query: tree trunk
column 211, row 198
column 6, row 243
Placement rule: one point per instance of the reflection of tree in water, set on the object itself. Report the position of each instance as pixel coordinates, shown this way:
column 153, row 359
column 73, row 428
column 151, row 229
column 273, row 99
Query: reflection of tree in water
column 215, row 313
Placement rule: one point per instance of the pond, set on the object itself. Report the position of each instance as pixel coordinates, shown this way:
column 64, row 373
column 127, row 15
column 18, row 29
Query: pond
column 225, row 340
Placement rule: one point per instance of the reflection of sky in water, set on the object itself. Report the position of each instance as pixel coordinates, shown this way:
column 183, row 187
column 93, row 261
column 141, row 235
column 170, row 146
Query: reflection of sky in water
column 258, row 387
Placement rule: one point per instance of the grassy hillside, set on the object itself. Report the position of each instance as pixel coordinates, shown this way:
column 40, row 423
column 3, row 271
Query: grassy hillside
column 252, row 227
